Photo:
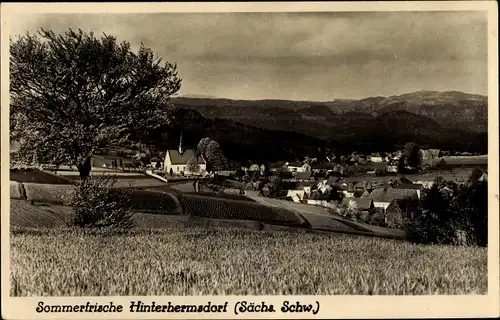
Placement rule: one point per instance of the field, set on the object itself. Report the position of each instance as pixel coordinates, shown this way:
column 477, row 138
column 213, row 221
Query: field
column 196, row 261
column 211, row 207
column 466, row 160
column 37, row 176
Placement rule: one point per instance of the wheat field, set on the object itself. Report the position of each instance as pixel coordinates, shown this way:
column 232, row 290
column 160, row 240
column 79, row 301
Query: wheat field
column 200, row 261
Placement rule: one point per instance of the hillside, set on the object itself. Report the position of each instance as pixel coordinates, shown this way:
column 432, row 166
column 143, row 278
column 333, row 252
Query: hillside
column 289, row 130
column 451, row 109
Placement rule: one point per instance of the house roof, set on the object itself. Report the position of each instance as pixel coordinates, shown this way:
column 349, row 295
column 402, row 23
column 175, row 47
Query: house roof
column 376, row 154
column 358, row 193
column 366, row 194
column 363, row 184
column 387, row 195
column 413, row 186
column 394, row 207
column 181, row 159
column 307, row 183
column 362, row 203
column 303, row 176
column 323, row 165
column 296, row 188
column 295, row 164
column 404, row 180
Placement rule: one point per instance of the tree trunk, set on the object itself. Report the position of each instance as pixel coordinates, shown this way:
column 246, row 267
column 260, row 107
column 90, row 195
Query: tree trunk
column 85, row 168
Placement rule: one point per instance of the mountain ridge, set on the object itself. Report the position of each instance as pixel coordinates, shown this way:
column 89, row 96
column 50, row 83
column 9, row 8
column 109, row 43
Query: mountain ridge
column 451, row 109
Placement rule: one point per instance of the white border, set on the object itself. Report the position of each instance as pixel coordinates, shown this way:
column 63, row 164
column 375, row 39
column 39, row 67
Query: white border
column 331, row 306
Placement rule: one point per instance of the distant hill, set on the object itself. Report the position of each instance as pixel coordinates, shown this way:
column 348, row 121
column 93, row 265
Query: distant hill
column 268, row 138
column 450, row 109
column 197, row 96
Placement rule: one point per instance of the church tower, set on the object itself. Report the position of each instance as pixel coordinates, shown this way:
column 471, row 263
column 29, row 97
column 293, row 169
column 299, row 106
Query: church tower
column 180, row 145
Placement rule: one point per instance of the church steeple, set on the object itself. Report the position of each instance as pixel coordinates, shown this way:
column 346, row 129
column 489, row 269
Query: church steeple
column 180, row 145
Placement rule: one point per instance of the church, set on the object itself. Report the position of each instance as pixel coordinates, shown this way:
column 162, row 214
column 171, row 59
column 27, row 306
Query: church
column 177, row 161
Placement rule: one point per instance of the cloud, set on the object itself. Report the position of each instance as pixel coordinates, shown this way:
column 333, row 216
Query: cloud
column 303, row 55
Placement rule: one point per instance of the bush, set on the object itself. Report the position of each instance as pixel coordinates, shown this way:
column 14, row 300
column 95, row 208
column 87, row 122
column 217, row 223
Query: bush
column 348, row 210
column 377, row 217
column 451, row 214
column 96, row 206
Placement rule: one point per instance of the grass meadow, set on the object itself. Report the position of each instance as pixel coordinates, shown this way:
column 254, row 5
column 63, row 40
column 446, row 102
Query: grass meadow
column 230, row 261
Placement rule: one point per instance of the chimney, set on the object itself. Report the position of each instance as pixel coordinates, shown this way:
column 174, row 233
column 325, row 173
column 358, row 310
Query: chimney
column 180, row 145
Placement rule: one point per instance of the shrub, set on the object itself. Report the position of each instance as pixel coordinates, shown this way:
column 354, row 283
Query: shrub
column 451, row 214
column 349, row 210
column 377, row 217
column 95, row 205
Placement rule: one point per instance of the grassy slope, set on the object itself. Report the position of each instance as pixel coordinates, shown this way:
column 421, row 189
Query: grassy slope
column 194, row 261
column 36, row 176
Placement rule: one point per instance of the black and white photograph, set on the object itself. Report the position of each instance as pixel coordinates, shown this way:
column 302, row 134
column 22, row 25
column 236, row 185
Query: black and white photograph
column 244, row 153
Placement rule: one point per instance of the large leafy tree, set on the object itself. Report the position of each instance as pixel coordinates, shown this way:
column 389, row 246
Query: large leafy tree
column 412, row 155
column 211, row 151
column 202, row 146
column 471, row 207
column 74, row 93
column 451, row 213
column 215, row 157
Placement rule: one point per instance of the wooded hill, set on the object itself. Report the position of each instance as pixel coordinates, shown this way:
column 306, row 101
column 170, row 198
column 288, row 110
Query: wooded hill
column 250, row 131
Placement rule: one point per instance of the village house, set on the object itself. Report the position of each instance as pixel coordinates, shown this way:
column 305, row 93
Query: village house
column 394, row 215
column 176, row 161
column 363, row 185
column 358, row 193
column 400, row 181
column 297, row 195
column 322, row 167
column 307, row 185
column 365, row 194
column 299, row 167
column 412, row 186
column 399, row 210
column 376, row 158
column 382, row 197
column 302, row 176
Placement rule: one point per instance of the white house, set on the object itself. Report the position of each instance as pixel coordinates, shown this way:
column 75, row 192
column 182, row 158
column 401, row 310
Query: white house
column 177, row 161
column 376, row 157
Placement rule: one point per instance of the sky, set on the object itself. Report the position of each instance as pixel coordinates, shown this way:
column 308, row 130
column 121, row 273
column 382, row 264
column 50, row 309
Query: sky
column 301, row 56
